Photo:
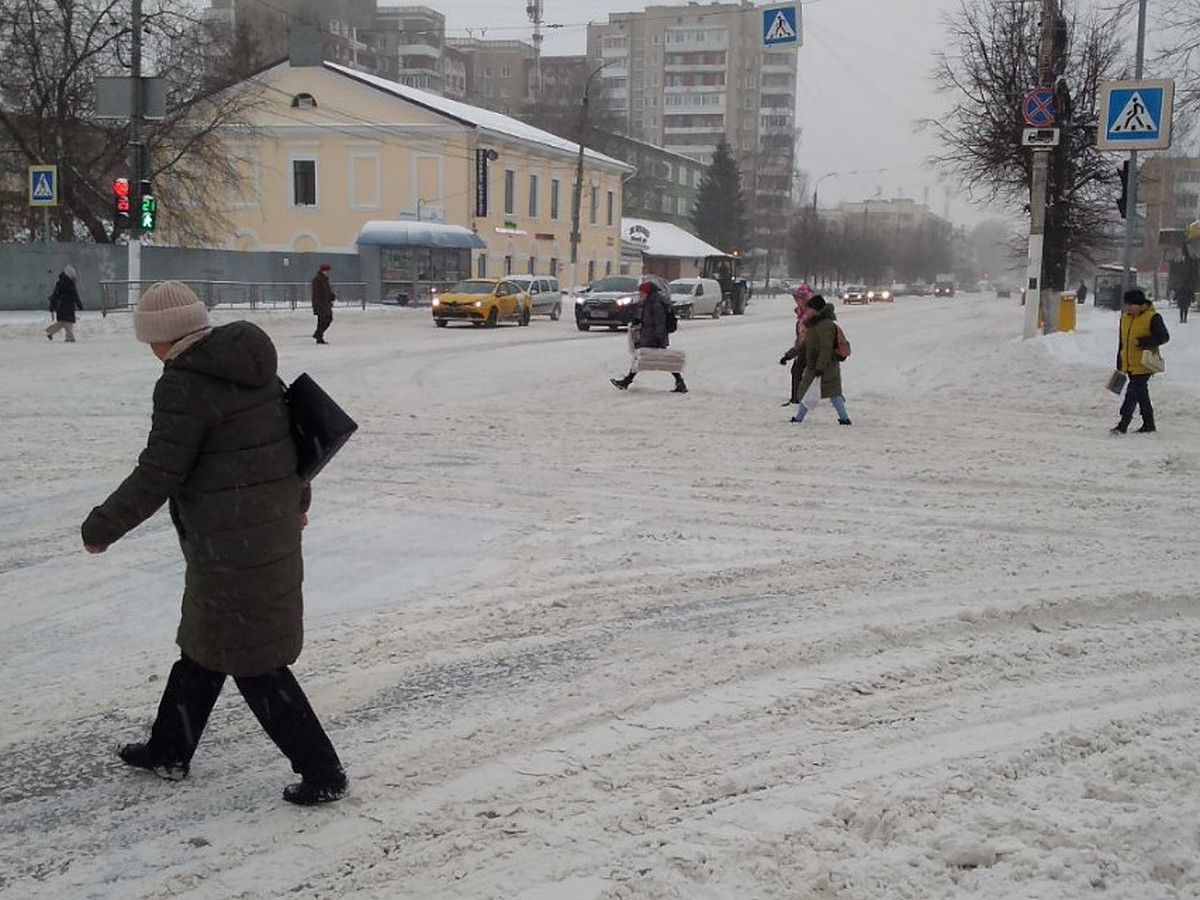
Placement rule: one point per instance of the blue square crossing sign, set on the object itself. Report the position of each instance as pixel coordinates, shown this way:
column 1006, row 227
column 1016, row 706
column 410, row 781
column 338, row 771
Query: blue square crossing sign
column 43, row 185
column 1135, row 115
column 781, row 26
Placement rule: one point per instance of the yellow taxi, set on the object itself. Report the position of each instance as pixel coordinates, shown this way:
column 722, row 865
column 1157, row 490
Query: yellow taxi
column 483, row 301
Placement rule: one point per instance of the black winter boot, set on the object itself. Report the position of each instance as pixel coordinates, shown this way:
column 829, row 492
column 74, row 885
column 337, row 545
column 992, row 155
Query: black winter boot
column 680, row 386
column 140, row 756
column 622, row 383
column 311, row 792
column 1121, row 427
column 1147, row 424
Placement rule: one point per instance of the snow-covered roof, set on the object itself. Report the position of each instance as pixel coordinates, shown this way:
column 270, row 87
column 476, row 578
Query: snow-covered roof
column 485, row 119
column 404, row 233
column 665, row 239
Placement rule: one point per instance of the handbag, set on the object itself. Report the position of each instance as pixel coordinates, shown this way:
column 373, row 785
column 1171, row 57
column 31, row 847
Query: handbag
column 1153, row 361
column 1116, row 381
column 319, row 426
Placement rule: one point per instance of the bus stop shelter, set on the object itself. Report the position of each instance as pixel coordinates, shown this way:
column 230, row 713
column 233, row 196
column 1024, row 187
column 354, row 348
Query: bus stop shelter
column 406, row 261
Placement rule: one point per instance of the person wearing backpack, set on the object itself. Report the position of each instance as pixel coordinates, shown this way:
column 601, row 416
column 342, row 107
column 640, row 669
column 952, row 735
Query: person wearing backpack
column 821, row 359
column 653, row 322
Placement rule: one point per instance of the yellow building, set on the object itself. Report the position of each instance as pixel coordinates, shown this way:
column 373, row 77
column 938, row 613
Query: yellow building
column 326, row 149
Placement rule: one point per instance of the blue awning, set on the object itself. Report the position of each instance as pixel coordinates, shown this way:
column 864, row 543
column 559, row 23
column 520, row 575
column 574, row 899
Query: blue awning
column 403, row 233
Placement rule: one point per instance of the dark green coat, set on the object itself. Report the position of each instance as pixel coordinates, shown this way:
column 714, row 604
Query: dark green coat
column 819, row 361
column 221, row 455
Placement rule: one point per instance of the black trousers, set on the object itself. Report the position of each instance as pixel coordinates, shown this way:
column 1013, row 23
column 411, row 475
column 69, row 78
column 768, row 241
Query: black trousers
column 276, row 699
column 1137, row 394
column 323, row 323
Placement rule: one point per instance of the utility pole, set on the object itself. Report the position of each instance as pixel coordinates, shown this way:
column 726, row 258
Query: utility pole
column 1127, row 280
column 577, row 195
column 134, row 266
column 1035, row 294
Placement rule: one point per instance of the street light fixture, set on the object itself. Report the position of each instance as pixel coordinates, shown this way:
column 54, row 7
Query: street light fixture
column 577, row 197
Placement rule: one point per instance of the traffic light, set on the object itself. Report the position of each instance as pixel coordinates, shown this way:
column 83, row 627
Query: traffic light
column 1123, row 195
column 147, row 206
column 121, row 204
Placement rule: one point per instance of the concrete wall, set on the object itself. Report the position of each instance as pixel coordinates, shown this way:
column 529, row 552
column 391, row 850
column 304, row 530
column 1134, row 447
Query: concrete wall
column 31, row 269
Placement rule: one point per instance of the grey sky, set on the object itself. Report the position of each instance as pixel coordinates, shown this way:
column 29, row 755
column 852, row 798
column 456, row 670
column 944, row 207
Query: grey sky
column 863, row 81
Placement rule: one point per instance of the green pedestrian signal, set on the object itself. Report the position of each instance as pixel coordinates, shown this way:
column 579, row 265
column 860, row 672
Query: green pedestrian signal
column 149, row 212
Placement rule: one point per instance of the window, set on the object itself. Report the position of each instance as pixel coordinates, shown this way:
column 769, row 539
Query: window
column 304, row 182
column 505, row 72
column 533, row 197
column 554, row 265
column 554, row 189
column 508, row 263
column 608, row 208
column 593, row 207
column 591, row 271
column 608, row 267
column 482, row 273
column 532, row 267
column 510, row 194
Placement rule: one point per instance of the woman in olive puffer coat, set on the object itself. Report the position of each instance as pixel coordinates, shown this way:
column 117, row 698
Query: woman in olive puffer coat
column 221, row 456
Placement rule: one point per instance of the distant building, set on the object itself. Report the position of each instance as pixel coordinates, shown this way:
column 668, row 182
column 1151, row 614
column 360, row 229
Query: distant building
column 687, row 77
column 1168, row 187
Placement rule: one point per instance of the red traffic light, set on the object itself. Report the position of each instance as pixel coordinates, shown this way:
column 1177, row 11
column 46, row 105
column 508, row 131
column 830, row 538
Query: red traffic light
column 121, row 187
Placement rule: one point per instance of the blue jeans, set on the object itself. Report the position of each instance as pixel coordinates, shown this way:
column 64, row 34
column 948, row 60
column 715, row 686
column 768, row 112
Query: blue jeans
column 839, row 405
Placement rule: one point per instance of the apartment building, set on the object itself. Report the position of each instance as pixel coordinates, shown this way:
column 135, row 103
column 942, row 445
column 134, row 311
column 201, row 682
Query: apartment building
column 687, row 77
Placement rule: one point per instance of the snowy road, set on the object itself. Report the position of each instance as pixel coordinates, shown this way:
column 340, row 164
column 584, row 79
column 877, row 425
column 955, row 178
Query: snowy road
column 582, row 644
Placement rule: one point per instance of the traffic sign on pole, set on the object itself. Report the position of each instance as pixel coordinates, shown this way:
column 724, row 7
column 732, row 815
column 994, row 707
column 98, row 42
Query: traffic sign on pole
column 1135, row 115
column 43, row 185
column 1038, row 109
column 781, row 26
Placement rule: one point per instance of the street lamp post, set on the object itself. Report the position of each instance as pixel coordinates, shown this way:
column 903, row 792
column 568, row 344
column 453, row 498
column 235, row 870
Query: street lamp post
column 577, row 196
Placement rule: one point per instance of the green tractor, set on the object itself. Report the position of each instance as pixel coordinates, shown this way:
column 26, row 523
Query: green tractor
column 724, row 270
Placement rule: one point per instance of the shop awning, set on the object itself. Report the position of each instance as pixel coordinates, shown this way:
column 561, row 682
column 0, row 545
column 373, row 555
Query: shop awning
column 666, row 240
column 401, row 233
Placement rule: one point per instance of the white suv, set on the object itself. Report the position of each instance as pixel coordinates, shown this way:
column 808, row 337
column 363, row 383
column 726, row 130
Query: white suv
column 547, row 298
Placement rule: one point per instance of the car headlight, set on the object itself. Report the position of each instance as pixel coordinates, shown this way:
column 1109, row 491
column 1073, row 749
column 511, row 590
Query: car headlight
column 870, row 294
column 579, row 301
column 479, row 304
column 624, row 301
column 886, row 294
column 435, row 302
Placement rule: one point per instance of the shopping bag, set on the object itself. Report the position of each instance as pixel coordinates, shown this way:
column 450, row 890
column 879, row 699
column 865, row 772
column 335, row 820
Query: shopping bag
column 655, row 359
column 1116, row 381
column 319, row 426
column 1153, row 361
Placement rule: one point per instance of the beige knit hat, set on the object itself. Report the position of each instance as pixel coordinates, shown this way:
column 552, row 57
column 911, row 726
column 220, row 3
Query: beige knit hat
column 168, row 311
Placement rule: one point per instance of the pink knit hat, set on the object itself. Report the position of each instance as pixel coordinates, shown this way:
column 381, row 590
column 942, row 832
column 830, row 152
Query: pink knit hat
column 168, row 311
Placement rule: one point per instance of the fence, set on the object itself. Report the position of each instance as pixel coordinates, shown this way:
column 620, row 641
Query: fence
column 118, row 296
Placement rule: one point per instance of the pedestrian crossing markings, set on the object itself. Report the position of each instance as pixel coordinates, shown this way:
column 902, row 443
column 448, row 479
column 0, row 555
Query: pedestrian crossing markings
column 42, row 188
column 781, row 29
column 1134, row 118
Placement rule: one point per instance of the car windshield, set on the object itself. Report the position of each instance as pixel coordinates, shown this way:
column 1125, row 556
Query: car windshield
column 614, row 283
column 854, row 289
column 685, row 288
column 473, row 287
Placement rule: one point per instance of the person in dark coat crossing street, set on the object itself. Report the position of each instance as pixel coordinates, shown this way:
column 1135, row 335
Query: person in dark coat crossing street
column 649, row 328
column 64, row 300
column 322, row 301
column 820, row 361
column 221, row 456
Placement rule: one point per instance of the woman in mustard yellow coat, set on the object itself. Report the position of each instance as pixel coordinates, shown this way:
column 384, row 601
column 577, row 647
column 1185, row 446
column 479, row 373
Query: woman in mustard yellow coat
column 1141, row 328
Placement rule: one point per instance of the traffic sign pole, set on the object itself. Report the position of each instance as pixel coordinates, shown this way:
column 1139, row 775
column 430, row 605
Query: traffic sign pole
column 1131, row 175
column 1035, row 294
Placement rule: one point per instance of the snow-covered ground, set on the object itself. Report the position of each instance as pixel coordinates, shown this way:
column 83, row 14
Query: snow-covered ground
column 581, row 644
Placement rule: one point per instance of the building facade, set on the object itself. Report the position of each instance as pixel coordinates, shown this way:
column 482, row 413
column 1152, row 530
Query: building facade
column 330, row 148
column 686, row 78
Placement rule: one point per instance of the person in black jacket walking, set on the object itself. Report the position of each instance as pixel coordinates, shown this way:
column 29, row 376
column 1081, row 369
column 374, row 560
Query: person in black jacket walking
column 64, row 300
column 221, row 456
column 649, row 329
column 322, row 302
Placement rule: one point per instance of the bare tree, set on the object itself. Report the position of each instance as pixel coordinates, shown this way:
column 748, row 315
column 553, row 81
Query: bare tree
column 51, row 54
column 987, row 68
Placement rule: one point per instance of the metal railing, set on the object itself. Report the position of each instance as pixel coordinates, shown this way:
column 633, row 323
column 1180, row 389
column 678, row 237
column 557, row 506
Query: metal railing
column 123, row 296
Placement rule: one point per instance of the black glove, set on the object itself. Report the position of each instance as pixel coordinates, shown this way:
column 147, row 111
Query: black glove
column 783, row 360
column 1146, row 343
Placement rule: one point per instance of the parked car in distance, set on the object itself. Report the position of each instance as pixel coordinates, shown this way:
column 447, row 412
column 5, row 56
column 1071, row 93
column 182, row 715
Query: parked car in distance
column 547, row 297
column 1003, row 290
column 920, row 289
column 607, row 301
column 854, row 293
column 943, row 289
column 880, row 295
column 482, row 301
column 693, row 297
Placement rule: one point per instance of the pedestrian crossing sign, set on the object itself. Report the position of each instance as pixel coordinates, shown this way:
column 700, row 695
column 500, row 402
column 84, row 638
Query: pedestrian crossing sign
column 781, row 26
column 1135, row 115
column 43, row 185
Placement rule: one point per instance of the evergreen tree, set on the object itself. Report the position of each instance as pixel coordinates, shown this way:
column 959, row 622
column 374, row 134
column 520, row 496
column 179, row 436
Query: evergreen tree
column 720, row 214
